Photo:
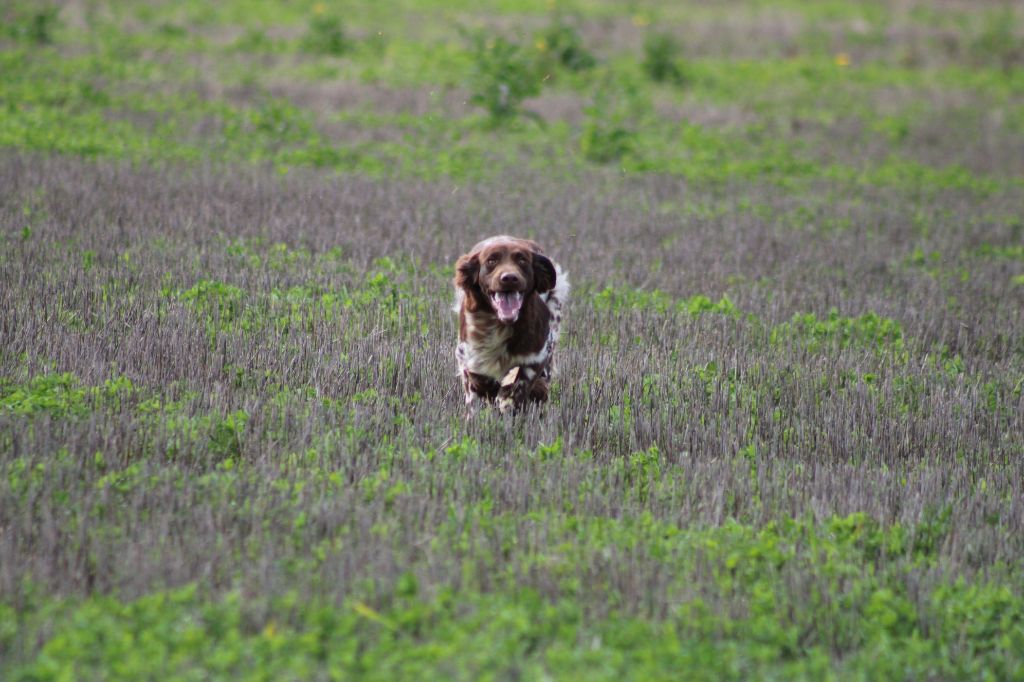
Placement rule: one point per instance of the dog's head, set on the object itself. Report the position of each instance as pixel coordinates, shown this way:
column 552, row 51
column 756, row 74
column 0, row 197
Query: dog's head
column 501, row 272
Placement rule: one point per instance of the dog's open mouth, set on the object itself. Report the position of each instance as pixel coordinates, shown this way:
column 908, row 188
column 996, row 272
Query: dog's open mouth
column 507, row 304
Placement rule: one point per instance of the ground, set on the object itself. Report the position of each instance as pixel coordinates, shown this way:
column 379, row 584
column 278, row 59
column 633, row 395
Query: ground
column 786, row 437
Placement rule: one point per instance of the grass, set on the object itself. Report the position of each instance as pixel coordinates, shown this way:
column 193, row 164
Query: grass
column 785, row 439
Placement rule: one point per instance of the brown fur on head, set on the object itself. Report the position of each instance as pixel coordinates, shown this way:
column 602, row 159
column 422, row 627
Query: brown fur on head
column 501, row 272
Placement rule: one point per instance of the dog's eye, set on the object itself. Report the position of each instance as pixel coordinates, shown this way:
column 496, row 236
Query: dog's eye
column 492, row 260
column 521, row 258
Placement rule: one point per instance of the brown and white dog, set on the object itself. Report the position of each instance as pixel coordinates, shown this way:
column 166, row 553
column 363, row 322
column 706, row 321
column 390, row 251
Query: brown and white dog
column 509, row 297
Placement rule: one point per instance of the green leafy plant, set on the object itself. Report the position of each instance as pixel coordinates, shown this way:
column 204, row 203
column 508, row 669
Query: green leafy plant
column 226, row 434
column 36, row 26
column 661, row 60
column 997, row 43
column 325, row 36
column 605, row 136
column 621, row 299
column 562, row 46
column 62, row 395
column 219, row 302
column 869, row 330
column 611, row 129
column 503, row 75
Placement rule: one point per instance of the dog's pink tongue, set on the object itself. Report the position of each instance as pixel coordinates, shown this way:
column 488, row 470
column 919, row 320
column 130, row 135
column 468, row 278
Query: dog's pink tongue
column 508, row 305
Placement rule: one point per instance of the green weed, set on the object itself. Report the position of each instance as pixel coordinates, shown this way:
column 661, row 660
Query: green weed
column 35, row 26
column 836, row 332
column 325, row 36
column 608, row 133
column 63, row 395
column 563, row 47
column 621, row 299
column 661, row 60
column 219, row 304
column 1009, row 252
column 504, row 75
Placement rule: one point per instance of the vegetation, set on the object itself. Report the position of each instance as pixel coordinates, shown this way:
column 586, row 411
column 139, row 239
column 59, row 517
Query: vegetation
column 563, row 42
column 325, row 36
column 661, row 58
column 786, row 438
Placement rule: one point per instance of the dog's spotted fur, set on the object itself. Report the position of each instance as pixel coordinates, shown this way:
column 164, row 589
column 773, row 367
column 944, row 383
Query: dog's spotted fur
column 505, row 353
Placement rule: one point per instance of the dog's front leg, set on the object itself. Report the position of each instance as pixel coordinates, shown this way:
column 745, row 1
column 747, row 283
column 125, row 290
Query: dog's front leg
column 514, row 388
column 472, row 399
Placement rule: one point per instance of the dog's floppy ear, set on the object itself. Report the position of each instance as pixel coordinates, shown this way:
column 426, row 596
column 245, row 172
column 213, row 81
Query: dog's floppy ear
column 467, row 270
column 543, row 273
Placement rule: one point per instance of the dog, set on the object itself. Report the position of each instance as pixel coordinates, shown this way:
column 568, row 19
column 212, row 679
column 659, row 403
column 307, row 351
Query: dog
column 509, row 297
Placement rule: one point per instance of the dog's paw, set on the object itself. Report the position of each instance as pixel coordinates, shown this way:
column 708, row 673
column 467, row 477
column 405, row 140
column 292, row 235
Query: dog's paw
column 506, row 404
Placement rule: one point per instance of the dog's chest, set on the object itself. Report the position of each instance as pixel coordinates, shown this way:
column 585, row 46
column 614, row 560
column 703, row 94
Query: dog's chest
column 484, row 348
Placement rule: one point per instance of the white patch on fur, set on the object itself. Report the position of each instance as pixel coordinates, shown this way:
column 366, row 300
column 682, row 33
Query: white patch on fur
column 556, row 300
column 532, row 358
column 488, row 356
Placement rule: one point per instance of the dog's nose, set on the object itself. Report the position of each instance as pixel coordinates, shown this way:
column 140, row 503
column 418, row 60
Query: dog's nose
column 510, row 278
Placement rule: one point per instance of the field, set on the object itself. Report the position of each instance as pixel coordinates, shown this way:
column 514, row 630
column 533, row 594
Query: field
column 786, row 439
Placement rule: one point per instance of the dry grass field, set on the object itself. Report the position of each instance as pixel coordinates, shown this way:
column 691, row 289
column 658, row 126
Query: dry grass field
column 786, row 439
